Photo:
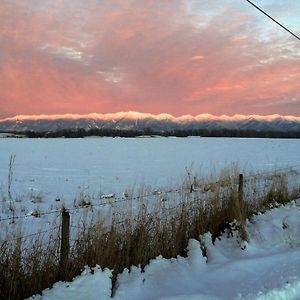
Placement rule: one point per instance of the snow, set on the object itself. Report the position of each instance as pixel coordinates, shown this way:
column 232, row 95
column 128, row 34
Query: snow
column 92, row 282
column 51, row 172
column 63, row 169
column 268, row 268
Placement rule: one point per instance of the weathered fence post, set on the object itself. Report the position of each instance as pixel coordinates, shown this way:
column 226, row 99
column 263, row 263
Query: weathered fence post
column 242, row 210
column 241, row 188
column 65, row 243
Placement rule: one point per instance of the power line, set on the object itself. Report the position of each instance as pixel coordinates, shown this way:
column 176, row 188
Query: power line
column 282, row 26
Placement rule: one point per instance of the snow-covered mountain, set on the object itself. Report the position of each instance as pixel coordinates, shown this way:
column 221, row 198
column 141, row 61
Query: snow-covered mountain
column 159, row 123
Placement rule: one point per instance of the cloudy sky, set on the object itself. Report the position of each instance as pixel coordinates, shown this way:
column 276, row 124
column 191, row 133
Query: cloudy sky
column 157, row 56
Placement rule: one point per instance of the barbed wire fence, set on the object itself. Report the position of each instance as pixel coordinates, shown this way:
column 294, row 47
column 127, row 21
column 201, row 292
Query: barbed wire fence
column 193, row 187
column 111, row 199
column 63, row 230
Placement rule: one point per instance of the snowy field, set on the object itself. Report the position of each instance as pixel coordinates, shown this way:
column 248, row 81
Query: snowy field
column 50, row 173
column 47, row 170
column 268, row 269
column 50, row 169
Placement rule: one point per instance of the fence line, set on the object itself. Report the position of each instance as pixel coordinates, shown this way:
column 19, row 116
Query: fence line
column 31, row 215
column 32, row 234
column 274, row 172
column 64, row 233
column 192, row 188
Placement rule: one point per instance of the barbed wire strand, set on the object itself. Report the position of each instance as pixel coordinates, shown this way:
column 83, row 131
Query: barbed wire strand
column 37, row 215
column 190, row 188
column 32, row 234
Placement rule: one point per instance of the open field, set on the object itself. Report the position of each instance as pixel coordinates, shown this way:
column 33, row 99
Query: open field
column 128, row 223
column 63, row 168
column 46, row 174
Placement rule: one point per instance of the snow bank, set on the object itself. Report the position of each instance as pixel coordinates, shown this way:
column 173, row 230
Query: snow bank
column 288, row 291
column 269, row 268
column 91, row 284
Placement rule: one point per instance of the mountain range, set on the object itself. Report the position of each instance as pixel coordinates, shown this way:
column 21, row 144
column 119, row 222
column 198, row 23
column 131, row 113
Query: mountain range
column 126, row 121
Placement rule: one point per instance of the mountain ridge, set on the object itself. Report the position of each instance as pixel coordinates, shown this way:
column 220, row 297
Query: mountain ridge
column 141, row 121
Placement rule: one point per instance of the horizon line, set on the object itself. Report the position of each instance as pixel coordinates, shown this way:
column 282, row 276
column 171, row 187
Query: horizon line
column 134, row 115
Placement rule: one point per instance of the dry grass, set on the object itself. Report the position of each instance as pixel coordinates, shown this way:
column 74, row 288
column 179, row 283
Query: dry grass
column 134, row 238
column 27, row 267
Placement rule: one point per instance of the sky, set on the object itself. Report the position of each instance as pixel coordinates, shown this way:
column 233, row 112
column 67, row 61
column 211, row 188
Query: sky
column 156, row 56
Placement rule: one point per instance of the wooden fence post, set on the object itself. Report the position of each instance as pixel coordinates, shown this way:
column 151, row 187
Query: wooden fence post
column 241, row 188
column 242, row 211
column 64, row 244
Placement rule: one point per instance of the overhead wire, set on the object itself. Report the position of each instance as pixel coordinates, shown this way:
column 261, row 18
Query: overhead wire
column 275, row 21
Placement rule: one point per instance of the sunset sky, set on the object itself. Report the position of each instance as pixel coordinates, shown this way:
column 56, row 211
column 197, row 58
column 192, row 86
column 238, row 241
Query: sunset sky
column 163, row 56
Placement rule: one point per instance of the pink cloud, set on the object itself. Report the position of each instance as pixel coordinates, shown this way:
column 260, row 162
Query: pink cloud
column 77, row 56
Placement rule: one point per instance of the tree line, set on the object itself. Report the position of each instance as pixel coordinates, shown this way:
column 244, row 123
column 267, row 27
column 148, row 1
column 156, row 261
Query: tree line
column 81, row 133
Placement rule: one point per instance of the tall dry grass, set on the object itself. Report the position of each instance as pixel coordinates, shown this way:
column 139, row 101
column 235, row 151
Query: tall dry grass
column 28, row 267
column 135, row 237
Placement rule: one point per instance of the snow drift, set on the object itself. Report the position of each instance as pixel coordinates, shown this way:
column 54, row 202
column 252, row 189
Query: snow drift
column 268, row 268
